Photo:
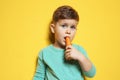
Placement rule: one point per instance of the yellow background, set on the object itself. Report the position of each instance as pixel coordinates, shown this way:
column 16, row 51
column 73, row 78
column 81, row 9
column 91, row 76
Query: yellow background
column 24, row 31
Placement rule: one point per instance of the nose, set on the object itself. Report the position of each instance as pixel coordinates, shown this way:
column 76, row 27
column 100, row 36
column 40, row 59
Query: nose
column 68, row 31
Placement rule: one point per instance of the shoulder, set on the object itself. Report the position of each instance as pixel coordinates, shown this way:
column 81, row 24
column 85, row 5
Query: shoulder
column 81, row 49
column 45, row 50
column 78, row 46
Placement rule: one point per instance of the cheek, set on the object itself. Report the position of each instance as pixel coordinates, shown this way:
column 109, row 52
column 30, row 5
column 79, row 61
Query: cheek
column 59, row 34
column 73, row 33
column 61, row 31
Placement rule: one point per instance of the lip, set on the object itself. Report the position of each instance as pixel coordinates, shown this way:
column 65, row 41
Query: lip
column 66, row 36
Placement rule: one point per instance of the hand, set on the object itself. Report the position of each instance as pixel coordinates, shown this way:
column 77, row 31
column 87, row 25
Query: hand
column 72, row 53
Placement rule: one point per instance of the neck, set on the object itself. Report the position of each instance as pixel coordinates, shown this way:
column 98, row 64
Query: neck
column 58, row 45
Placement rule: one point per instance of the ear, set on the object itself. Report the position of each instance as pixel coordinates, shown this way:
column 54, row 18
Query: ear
column 52, row 28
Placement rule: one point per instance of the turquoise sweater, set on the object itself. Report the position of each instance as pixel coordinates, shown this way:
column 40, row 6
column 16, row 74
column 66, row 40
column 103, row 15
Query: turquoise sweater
column 53, row 66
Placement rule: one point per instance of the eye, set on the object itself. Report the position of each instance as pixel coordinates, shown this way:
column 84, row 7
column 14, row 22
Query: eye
column 64, row 26
column 73, row 27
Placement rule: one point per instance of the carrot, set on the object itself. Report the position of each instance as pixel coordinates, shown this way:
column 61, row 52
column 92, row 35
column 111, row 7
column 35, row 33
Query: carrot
column 68, row 41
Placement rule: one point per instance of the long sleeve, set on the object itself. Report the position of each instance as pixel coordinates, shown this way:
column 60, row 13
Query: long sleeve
column 51, row 66
column 40, row 70
column 91, row 73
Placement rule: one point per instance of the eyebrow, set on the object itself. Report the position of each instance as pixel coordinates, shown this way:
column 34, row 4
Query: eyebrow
column 67, row 24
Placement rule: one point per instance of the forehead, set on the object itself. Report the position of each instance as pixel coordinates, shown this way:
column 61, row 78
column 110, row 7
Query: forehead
column 68, row 21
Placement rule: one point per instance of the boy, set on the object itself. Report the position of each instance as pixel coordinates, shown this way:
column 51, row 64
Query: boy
column 59, row 61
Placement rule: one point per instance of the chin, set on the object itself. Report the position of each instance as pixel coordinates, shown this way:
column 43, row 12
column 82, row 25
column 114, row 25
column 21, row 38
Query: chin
column 62, row 45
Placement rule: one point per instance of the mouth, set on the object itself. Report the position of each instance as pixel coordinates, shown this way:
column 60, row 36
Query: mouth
column 66, row 36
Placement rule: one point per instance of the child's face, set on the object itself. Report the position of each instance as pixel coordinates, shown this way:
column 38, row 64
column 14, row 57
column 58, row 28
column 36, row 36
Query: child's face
column 63, row 28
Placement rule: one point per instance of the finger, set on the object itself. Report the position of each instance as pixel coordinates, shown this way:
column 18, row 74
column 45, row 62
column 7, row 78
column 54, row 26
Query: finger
column 68, row 47
column 68, row 56
column 67, row 51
